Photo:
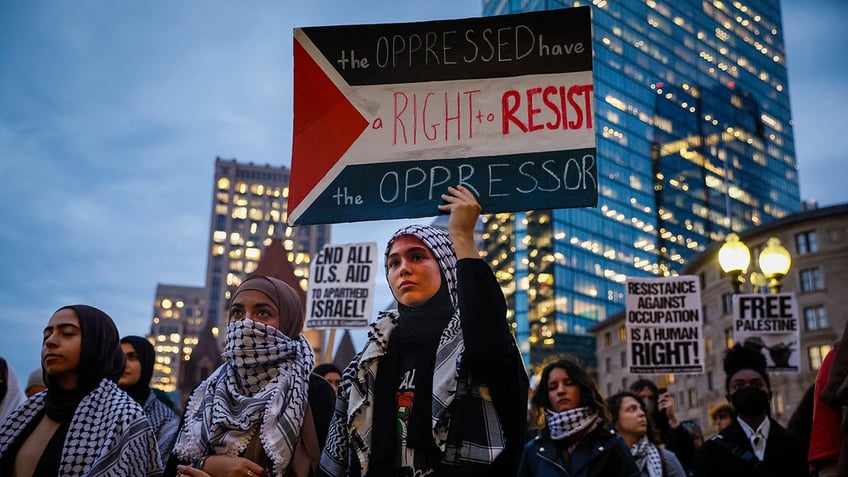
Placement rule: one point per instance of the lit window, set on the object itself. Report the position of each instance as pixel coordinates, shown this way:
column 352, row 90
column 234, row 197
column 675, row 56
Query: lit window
column 817, row 354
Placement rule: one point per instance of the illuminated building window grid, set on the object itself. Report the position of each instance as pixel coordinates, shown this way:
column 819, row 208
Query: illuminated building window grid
column 631, row 120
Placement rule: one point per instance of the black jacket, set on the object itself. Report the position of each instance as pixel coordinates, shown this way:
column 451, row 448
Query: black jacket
column 602, row 453
column 730, row 454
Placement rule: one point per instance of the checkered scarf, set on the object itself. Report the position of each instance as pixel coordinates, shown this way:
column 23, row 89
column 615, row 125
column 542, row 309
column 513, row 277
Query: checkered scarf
column 351, row 427
column 107, row 435
column 568, row 423
column 647, row 454
column 165, row 423
column 263, row 384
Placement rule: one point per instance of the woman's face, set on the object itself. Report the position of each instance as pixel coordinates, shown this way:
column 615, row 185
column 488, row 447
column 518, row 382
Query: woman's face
column 334, row 378
column 631, row 418
column 62, row 347
column 413, row 271
column 257, row 306
column 132, row 373
column 563, row 393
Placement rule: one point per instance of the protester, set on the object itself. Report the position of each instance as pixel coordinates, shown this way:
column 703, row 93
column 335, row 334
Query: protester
column 694, row 430
column 440, row 387
column 575, row 438
column 630, row 420
column 83, row 424
column 259, row 413
column 135, row 381
column 331, row 373
column 660, row 405
column 722, row 416
column 754, row 444
column 11, row 395
column 835, row 394
column 801, row 420
column 35, row 383
column 825, row 434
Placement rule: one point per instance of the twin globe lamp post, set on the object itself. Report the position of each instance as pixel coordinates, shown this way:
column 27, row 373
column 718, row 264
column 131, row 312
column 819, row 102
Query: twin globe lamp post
column 734, row 257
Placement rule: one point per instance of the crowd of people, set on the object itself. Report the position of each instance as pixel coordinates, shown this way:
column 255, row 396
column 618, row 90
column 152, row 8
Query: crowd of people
column 439, row 388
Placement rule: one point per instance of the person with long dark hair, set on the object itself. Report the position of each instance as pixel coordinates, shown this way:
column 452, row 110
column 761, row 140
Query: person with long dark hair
column 83, row 424
column 135, row 381
column 261, row 412
column 440, row 387
column 574, row 439
column 630, row 419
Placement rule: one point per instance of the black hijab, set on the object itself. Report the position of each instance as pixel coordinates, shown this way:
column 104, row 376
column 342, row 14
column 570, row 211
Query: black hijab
column 101, row 357
column 416, row 339
column 146, row 355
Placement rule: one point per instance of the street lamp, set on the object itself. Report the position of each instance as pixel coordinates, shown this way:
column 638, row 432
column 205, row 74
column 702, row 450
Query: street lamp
column 734, row 258
column 774, row 261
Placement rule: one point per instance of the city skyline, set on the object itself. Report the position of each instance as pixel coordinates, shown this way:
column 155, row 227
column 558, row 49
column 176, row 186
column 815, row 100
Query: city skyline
column 115, row 114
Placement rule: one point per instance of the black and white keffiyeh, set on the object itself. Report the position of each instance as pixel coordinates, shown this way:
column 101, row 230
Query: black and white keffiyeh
column 263, row 385
column 165, row 423
column 647, row 456
column 352, row 423
column 562, row 425
column 108, row 435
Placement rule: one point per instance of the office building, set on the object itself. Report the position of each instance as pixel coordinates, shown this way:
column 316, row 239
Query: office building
column 817, row 242
column 249, row 210
column 694, row 140
column 178, row 317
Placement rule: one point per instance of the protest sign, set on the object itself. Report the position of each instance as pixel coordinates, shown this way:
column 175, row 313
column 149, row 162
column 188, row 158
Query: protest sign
column 387, row 116
column 664, row 326
column 771, row 321
column 341, row 286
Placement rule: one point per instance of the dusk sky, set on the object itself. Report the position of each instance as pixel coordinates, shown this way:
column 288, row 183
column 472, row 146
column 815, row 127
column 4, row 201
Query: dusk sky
column 112, row 115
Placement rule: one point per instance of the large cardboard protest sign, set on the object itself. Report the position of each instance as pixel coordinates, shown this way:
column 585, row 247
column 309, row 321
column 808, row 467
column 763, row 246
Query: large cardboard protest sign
column 771, row 321
column 341, row 286
column 664, row 325
column 387, row 116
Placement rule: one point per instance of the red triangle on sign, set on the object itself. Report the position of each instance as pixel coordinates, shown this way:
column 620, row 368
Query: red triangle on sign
column 325, row 125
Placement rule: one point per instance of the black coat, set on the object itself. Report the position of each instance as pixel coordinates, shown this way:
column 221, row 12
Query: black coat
column 730, row 454
column 602, row 453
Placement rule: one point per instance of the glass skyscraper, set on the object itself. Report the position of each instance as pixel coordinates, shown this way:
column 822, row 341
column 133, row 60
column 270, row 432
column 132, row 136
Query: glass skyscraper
column 694, row 140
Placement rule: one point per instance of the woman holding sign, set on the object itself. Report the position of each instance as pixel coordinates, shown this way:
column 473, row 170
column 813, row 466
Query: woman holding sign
column 440, row 387
column 260, row 413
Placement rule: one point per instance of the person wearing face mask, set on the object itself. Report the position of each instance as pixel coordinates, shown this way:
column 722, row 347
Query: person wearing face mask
column 440, row 387
column 754, row 444
column 260, row 413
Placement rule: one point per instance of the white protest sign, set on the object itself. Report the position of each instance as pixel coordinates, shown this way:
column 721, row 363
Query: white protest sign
column 341, row 286
column 664, row 326
column 770, row 320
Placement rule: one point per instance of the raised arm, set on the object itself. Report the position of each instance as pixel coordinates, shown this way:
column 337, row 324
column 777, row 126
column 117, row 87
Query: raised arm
column 464, row 211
